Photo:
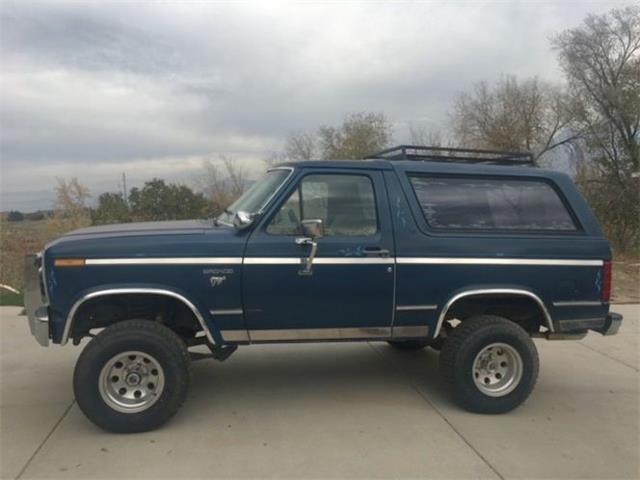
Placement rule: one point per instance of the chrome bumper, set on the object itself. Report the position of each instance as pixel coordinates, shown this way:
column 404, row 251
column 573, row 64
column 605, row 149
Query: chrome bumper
column 34, row 303
column 611, row 325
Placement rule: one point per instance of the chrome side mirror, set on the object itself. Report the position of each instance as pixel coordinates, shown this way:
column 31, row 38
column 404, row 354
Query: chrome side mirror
column 313, row 228
column 242, row 220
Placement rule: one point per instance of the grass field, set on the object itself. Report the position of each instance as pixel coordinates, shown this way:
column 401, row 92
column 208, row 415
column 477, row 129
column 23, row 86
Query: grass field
column 17, row 239
column 8, row 298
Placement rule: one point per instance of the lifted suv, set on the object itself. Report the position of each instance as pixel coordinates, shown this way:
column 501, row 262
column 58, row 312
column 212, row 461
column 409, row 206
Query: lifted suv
column 471, row 252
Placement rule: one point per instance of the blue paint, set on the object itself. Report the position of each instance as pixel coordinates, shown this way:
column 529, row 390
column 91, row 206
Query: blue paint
column 337, row 295
column 357, row 251
column 51, row 280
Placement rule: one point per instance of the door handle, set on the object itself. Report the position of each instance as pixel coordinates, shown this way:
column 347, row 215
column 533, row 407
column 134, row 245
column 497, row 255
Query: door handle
column 307, row 262
column 376, row 252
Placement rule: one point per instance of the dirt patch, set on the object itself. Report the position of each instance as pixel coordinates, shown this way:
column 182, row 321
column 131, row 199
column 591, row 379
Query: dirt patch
column 626, row 282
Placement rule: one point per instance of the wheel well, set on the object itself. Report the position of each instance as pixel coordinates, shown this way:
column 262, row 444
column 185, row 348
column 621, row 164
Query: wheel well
column 525, row 310
column 102, row 311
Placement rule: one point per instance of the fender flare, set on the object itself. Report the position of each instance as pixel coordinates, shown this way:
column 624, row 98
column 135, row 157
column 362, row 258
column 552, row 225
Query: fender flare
column 132, row 291
column 516, row 292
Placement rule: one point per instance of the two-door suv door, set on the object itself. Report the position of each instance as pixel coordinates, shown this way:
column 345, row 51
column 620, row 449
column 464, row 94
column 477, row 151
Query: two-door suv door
column 348, row 293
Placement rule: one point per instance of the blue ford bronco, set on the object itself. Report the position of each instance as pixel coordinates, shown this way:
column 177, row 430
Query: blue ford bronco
column 468, row 252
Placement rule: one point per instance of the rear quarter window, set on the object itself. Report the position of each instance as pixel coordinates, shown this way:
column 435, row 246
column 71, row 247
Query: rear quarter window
column 506, row 204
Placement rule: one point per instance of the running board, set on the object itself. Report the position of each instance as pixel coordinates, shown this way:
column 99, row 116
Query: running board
column 560, row 335
column 217, row 353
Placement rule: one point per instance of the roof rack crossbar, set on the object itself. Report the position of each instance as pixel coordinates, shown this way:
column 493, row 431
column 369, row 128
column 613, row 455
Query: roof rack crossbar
column 448, row 154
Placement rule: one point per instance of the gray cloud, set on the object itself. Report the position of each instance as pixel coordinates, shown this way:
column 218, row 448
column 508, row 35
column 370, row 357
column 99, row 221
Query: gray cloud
column 98, row 88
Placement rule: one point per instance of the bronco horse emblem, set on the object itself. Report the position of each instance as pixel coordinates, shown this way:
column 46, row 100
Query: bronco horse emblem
column 217, row 281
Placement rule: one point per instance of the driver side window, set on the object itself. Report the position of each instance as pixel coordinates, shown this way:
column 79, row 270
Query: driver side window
column 344, row 203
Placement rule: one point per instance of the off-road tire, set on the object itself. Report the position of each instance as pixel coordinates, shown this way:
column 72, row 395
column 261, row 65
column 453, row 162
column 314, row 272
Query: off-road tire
column 132, row 335
column 436, row 343
column 460, row 349
column 408, row 345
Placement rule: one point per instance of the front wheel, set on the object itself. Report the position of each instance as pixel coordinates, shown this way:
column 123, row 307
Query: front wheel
column 132, row 377
column 490, row 364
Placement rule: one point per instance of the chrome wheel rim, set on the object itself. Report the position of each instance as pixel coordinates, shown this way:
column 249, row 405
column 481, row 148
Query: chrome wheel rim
column 497, row 369
column 131, row 382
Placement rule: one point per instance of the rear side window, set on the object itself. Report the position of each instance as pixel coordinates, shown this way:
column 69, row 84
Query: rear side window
column 463, row 203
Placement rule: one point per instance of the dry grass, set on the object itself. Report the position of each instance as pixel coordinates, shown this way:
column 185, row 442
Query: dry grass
column 17, row 239
column 626, row 279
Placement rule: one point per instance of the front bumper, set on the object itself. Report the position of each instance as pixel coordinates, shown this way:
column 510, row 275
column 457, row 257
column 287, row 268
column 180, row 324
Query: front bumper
column 611, row 324
column 35, row 301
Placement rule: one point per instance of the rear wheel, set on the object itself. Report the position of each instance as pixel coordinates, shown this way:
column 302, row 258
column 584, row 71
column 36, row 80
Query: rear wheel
column 132, row 377
column 490, row 364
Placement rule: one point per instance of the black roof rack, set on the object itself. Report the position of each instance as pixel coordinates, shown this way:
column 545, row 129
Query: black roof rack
column 458, row 155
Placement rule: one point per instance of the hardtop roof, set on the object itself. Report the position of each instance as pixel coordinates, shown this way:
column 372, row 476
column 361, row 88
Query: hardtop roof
column 440, row 168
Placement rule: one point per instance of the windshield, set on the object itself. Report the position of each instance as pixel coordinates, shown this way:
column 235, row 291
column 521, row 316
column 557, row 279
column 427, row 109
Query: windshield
column 254, row 199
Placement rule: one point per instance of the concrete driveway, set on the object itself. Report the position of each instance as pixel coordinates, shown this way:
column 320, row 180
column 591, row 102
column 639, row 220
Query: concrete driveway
column 332, row 411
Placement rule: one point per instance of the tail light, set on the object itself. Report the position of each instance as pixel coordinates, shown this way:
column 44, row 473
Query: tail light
column 606, row 281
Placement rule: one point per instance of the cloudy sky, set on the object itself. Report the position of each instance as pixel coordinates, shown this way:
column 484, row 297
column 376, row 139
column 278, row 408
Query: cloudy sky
column 94, row 89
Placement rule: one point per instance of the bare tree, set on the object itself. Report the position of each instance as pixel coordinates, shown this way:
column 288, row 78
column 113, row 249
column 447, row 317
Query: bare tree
column 70, row 208
column 223, row 182
column 601, row 59
column 514, row 115
column 360, row 134
column 274, row 158
column 299, row 146
column 419, row 135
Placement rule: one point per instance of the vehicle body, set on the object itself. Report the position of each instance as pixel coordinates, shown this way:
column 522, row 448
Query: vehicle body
column 384, row 250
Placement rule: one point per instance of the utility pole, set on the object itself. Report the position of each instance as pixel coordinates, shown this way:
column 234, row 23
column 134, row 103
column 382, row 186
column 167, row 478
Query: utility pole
column 124, row 188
